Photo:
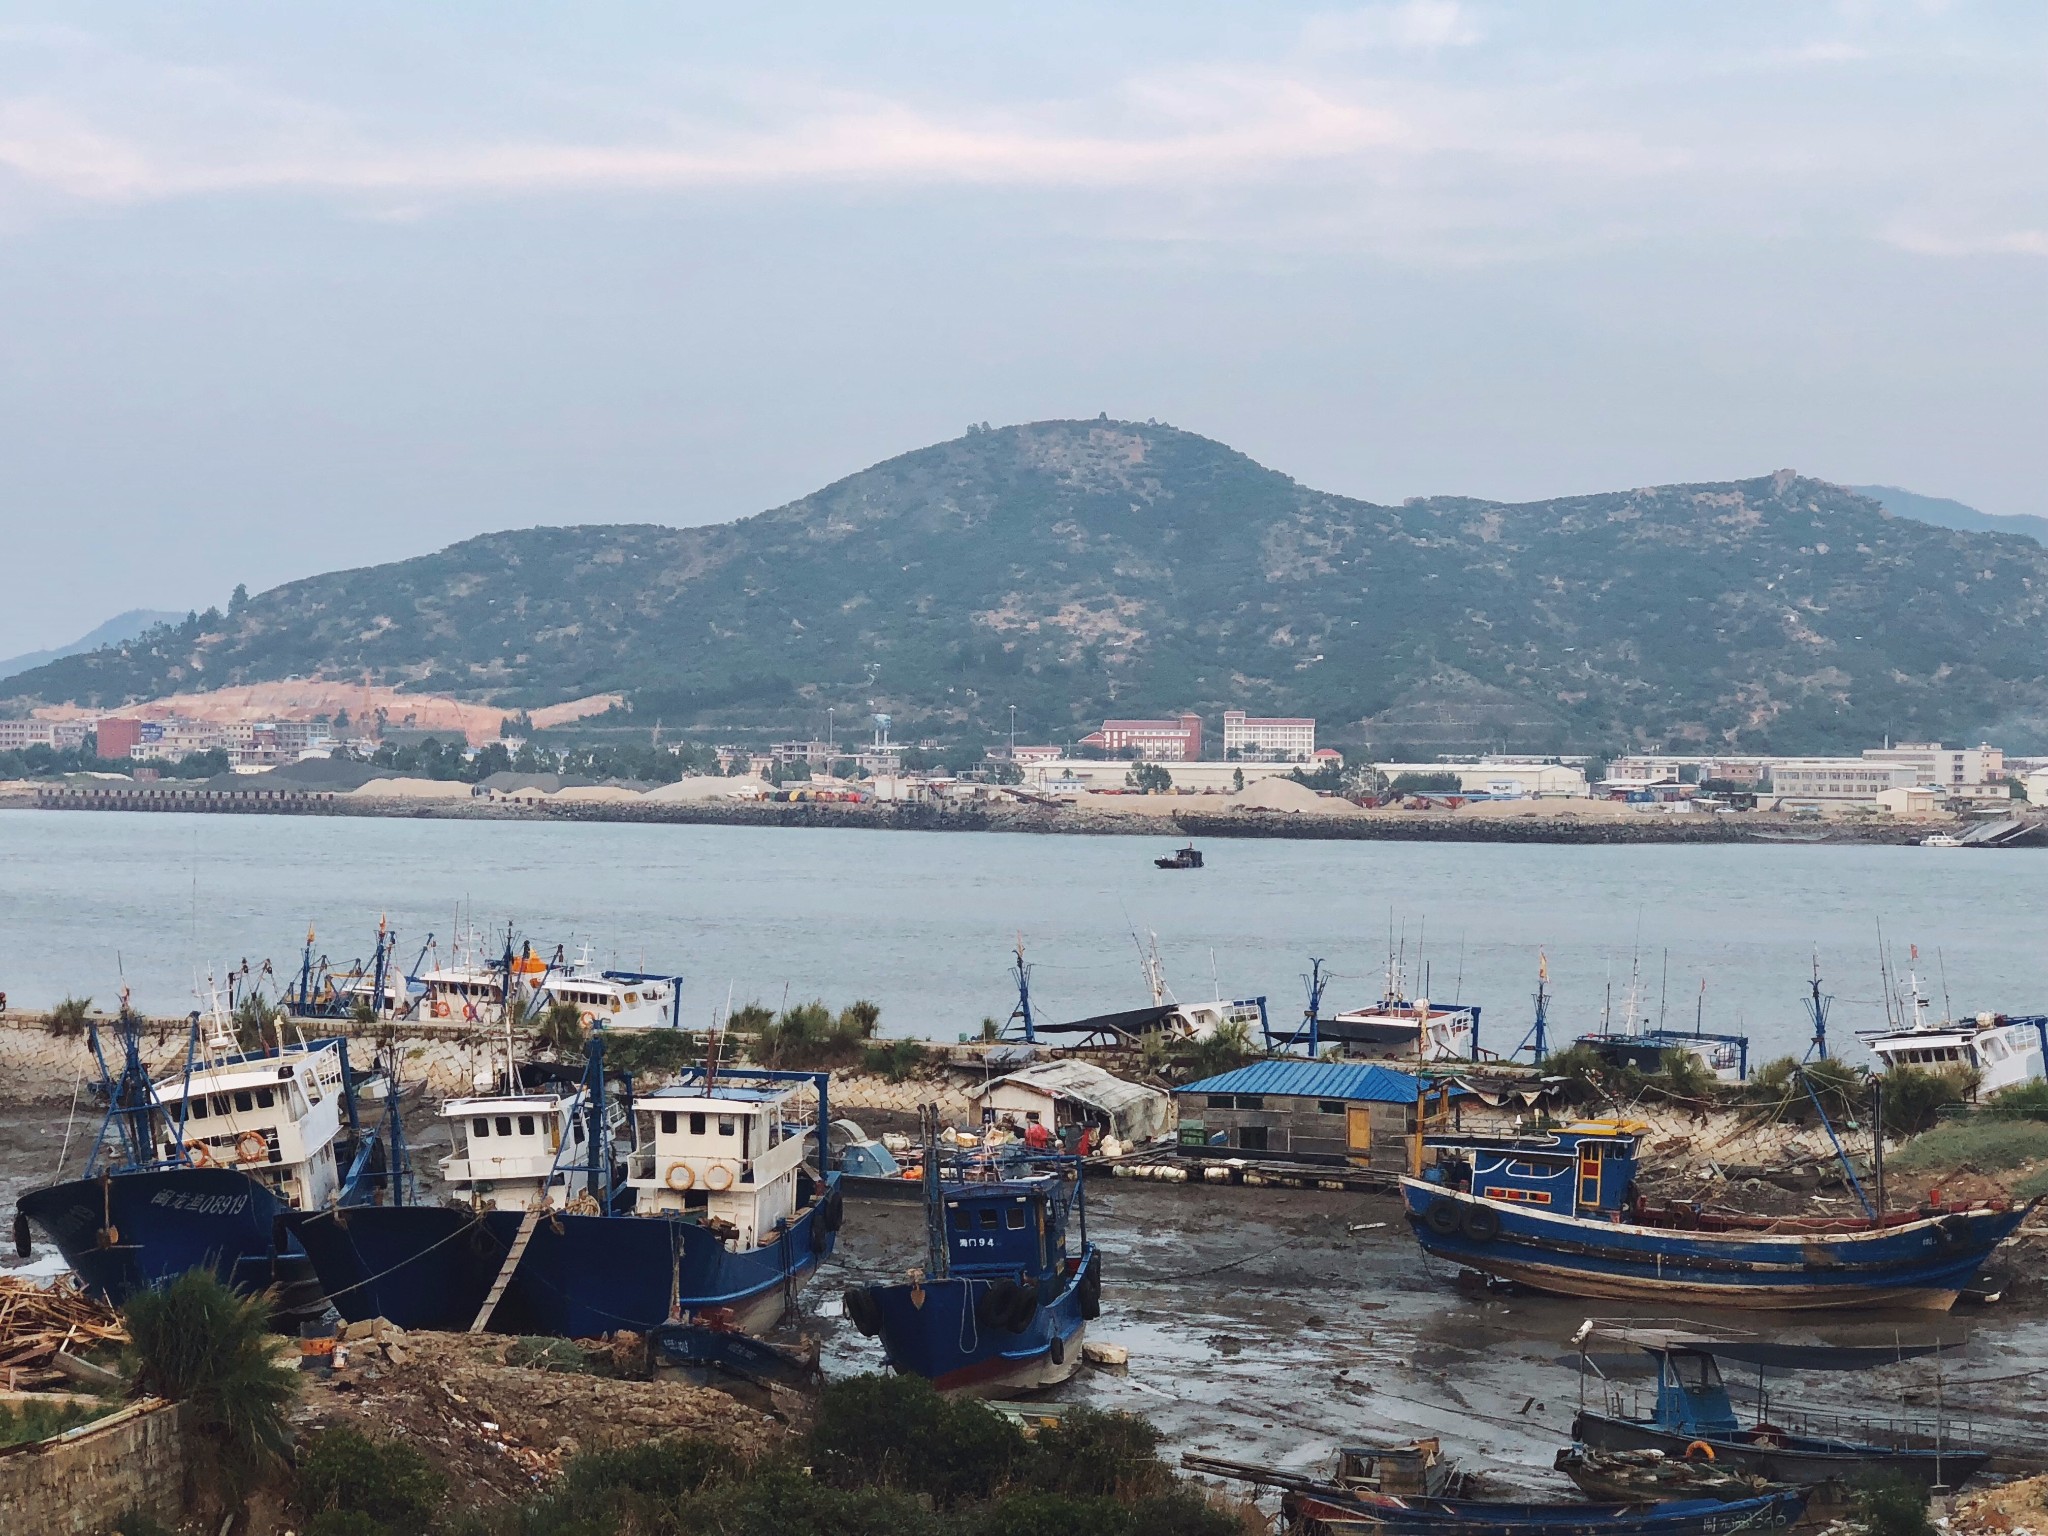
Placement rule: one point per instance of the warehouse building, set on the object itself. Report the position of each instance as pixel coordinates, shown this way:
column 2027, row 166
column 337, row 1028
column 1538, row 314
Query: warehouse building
column 1355, row 1113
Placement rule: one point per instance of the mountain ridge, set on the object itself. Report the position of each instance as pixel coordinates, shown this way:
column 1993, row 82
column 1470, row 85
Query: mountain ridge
column 1083, row 568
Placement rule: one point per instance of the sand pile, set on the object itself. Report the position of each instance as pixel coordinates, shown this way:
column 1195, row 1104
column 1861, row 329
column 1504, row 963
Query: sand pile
column 1284, row 794
column 414, row 789
column 695, row 789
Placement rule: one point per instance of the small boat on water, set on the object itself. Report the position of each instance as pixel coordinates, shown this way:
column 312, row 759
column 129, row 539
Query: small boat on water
column 1189, row 857
column 1010, row 1284
column 1692, row 1418
column 713, row 1206
column 1559, row 1212
column 193, row 1170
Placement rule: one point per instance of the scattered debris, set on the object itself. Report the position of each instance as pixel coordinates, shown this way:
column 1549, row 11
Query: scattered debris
column 38, row 1323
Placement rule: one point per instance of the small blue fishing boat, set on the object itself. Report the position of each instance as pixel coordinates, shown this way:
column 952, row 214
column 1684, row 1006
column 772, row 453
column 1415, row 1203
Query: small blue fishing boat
column 1559, row 1212
column 713, row 1208
column 1004, row 1301
column 1342, row 1513
column 196, row 1169
column 1692, row 1417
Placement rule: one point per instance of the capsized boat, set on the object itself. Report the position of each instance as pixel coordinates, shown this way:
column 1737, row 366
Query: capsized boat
column 1559, row 1212
column 1692, row 1415
column 1009, row 1287
column 193, row 1170
column 713, row 1207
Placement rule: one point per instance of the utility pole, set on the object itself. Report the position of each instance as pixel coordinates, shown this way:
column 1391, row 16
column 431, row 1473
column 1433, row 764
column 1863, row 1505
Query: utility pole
column 1013, row 733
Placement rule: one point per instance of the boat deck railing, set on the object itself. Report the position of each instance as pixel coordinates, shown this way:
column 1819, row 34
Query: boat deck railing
column 1899, row 1432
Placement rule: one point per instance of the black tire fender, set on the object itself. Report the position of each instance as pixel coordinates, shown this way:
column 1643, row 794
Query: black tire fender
column 833, row 1212
column 1089, row 1296
column 1952, row 1229
column 1442, row 1216
column 1022, row 1309
column 992, row 1307
column 22, row 1239
column 863, row 1311
column 1480, row 1223
column 1059, row 1350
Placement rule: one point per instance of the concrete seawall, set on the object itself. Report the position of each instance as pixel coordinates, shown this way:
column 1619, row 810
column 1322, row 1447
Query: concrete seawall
column 133, row 1462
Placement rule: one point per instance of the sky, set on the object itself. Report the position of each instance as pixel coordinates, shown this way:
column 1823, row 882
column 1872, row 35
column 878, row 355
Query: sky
column 286, row 288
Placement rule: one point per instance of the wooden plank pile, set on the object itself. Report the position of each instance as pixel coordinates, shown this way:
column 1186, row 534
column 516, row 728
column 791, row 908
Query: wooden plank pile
column 37, row 1323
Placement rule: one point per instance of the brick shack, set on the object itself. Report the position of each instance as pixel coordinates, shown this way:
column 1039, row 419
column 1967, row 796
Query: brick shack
column 1356, row 1113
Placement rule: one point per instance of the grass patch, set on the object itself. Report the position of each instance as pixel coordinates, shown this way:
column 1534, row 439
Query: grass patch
column 25, row 1423
column 1992, row 1145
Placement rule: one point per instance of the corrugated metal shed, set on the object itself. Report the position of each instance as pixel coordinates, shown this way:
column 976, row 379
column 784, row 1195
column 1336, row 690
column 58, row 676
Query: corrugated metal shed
column 1360, row 1080
column 1136, row 1113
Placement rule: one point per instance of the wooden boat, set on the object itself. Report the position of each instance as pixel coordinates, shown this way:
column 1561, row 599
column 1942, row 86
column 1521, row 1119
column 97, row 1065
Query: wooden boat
column 1412, row 1468
column 1693, row 1418
column 1356, row 1514
column 1654, row 1475
column 1560, row 1212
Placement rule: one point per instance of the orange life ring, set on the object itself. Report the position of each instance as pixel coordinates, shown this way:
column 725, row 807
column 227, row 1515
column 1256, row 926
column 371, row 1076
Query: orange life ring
column 589, row 1019
column 245, row 1154
column 199, row 1154
column 689, row 1177
column 1699, row 1445
column 440, row 1007
column 711, row 1176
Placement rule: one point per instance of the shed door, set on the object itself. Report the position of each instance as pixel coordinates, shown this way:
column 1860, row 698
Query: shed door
column 1358, row 1130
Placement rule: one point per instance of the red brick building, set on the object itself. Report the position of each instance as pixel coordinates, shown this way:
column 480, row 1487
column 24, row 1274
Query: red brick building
column 1156, row 741
column 117, row 738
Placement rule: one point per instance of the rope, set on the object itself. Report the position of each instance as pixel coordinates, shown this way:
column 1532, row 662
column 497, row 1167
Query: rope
column 409, row 1258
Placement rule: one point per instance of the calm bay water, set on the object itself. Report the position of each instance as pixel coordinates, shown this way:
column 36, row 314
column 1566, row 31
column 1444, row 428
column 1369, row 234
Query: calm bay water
column 924, row 923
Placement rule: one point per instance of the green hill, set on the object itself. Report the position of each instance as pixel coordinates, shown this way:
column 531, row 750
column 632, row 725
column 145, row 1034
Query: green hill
column 1077, row 569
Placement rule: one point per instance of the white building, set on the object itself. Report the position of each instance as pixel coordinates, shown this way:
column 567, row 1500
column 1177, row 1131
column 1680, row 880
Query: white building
column 16, row 735
column 1838, row 780
column 1948, row 767
column 1289, row 738
column 1535, row 779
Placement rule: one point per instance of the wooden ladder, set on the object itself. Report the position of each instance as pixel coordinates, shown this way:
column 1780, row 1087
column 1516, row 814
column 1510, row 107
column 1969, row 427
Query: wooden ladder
column 512, row 1257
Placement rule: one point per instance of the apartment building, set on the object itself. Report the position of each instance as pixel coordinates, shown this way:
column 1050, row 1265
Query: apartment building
column 1945, row 767
column 1159, row 741
column 1838, row 780
column 59, row 735
column 1286, row 739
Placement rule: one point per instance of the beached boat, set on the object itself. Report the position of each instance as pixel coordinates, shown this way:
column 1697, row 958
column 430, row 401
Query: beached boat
column 1559, row 1212
column 1005, row 1297
column 2004, row 1050
column 714, row 1206
column 1318, row 1514
column 193, row 1170
column 473, row 987
column 1691, row 1415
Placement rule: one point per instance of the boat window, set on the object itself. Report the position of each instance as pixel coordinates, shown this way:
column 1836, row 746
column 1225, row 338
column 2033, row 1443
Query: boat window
column 198, row 1109
column 479, row 1126
column 265, row 1098
column 696, row 1125
column 1219, row 1101
column 220, row 1103
column 504, row 1125
column 988, row 1218
column 668, row 1122
column 1330, row 1106
column 726, row 1127
column 963, row 1220
column 243, row 1102
column 1013, row 1218
column 526, row 1125
column 632, row 997
column 1523, row 1170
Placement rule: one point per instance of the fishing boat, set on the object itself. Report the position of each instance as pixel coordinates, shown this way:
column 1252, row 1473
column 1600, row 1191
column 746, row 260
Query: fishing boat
column 1559, row 1212
column 1005, row 1298
column 1189, row 857
column 1413, row 1468
column 714, row 1206
column 1323, row 1514
column 1397, row 1026
column 1650, row 1475
column 2004, row 1050
column 194, row 1170
column 1633, row 1041
column 473, row 987
column 1692, row 1418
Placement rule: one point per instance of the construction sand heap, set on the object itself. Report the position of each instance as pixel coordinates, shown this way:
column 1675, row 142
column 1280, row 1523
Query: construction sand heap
column 399, row 788
column 1279, row 793
column 699, row 788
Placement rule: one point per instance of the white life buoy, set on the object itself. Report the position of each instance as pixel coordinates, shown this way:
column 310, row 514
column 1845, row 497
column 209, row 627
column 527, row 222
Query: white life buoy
column 718, row 1177
column 687, row 1178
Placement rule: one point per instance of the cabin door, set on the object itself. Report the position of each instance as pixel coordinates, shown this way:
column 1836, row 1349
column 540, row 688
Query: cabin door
column 1358, row 1132
column 1589, row 1176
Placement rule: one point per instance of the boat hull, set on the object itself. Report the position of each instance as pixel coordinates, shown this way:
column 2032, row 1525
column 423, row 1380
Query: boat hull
column 1919, row 1264
column 933, row 1331
column 1800, row 1460
column 129, row 1232
column 1475, row 1517
column 581, row 1276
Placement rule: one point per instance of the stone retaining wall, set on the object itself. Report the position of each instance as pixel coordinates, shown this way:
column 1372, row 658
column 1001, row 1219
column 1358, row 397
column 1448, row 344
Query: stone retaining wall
column 83, row 1481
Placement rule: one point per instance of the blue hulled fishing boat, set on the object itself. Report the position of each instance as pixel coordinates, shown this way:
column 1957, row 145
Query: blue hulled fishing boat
column 712, row 1209
column 1559, row 1212
column 1005, row 1299
column 195, row 1170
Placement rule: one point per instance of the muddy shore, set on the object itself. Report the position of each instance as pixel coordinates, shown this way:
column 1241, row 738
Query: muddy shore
column 1274, row 1325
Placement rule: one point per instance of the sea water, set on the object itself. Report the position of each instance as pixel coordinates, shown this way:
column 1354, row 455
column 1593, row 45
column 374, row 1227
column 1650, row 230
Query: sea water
column 926, row 924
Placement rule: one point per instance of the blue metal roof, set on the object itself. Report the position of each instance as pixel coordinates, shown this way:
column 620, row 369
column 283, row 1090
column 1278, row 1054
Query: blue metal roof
column 1314, row 1080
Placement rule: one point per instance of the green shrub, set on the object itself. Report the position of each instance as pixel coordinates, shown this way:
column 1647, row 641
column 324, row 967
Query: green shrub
column 560, row 1028
column 779, row 1500
column 2027, row 1101
column 136, row 1522
column 349, row 1522
column 658, row 1469
column 1991, row 1145
column 1685, row 1076
column 68, row 1017
column 29, row 1421
column 1090, row 1454
column 201, row 1344
column 1893, row 1506
column 898, row 1432
column 384, row 1485
column 810, row 1037
column 895, row 1061
column 651, row 1052
column 1056, row 1514
column 1228, row 1048
column 1913, row 1099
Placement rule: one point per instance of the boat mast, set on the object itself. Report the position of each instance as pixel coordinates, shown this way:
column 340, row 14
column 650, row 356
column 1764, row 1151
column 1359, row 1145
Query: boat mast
column 1316, row 983
column 1023, row 1008
column 1817, row 1010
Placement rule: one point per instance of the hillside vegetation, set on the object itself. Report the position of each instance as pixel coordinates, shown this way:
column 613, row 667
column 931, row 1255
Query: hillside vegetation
column 1078, row 569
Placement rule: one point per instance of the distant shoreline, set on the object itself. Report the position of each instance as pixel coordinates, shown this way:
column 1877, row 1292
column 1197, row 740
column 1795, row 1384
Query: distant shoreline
column 1662, row 830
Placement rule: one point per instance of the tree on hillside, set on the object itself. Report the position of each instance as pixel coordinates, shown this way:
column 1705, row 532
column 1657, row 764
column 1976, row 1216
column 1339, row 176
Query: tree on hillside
column 1152, row 778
